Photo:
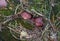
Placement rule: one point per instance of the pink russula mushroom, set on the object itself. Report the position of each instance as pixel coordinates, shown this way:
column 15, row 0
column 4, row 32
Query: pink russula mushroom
column 25, row 15
column 39, row 19
column 3, row 3
column 39, row 22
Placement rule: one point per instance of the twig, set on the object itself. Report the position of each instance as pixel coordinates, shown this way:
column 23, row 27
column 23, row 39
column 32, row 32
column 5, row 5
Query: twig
column 14, row 35
column 7, row 20
column 37, row 12
column 17, row 8
column 46, row 28
column 13, row 30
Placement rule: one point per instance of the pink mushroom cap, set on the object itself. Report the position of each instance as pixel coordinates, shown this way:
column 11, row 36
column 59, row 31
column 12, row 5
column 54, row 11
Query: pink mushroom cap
column 25, row 15
column 3, row 3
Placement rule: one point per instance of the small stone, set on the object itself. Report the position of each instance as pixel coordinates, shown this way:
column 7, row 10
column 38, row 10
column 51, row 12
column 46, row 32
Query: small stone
column 23, row 33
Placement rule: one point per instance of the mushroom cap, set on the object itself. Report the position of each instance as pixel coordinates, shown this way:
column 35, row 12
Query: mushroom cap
column 39, row 22
column 25, row 15
column 39, row 19
column 3, row 3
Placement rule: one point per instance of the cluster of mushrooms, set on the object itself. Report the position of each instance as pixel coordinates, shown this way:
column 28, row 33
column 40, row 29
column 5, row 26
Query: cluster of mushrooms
column 38, row 21
column 25, row 15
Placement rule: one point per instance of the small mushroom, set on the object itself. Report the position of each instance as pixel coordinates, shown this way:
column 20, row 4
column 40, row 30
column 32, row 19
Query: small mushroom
column 3, row 3
column 39, row 22
column 25, row 15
